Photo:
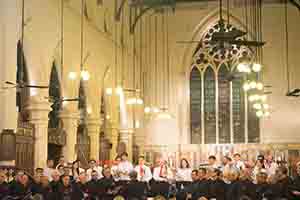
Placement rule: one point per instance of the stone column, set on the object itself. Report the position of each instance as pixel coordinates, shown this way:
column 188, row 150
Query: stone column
column 114, row 140
column 93, row 127
column 39, row 109
column 70, row 119
column 126, row 136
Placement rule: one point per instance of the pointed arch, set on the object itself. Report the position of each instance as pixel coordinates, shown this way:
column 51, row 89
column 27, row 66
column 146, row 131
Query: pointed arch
column 195, row 105
column 55, row 93
column 223, row 104
column 210, row 105
column 22, row 94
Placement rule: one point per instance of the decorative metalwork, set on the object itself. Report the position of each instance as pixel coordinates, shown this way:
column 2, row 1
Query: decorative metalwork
column 224, row 107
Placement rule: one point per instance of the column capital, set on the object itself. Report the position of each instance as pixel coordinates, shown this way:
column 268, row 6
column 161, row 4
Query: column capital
column 94, row 121
column 39, row 109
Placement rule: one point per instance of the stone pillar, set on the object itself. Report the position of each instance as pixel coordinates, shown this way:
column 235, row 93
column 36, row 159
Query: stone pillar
column 114, row 140
column 70, row 118
column 39, row 109
column 126, row 137
column 93, row 127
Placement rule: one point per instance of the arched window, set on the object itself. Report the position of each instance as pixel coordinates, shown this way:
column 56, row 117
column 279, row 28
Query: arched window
column 209, row 106
column 22, row 77
column 55, row 93
column 195, row 101
column 221, row 117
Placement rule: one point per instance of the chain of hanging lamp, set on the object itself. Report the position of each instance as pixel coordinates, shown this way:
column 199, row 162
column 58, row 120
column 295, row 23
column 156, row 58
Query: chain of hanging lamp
column 62, row 45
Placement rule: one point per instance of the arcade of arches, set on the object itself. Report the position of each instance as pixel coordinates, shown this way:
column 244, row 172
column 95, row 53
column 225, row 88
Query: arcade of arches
column 146, row 89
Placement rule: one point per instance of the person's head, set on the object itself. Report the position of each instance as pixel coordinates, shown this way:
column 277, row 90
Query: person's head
column 19, row 175
column 2, row 177
column 92, row 163
column 61, row 170
column 261, row 178
column 124, row 156
column 65, row 179
column 106, row 172
column 202, row 173
column 82, row 177
column 133, row 175
column 269, row 158
column 259, row 164
column 117, row 160
column 50, row 163
column 226, row 160
column 67, row 170
column 298, row 168
column 44, row 181
column 237, row 157
column 212, row 160
column 141, row 160
column 61, row 160
column 76, row 164
column 194, row 175
column 216, row 173
column 233, row 175
column 55, row 175
column 184, row 163
column 94, row 175
column 24, row 180
column 39, row 171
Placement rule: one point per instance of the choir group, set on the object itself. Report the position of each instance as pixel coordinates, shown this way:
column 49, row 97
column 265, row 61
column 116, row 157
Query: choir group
column 228, row 179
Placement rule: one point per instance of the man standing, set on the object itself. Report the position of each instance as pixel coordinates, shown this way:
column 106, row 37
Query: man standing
column 93, row 167
column 125, row 167
column 143, row 171
column 49, row 169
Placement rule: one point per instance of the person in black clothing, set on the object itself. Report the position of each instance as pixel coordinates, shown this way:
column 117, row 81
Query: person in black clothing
column 216, row 185
column 21, row 187
column 263, row 189
column 93, row 186
column 284, row 182
column 4, row 188
column 107, row 185
column 135, row 190
column 202, row 186
column 247, row 187
column 295, row 187
column 65, row 189
column 233, row 187
column 80, row 189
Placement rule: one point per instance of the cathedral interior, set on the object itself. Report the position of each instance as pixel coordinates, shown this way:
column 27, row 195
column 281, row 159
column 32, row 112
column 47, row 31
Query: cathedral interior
column 91, row 79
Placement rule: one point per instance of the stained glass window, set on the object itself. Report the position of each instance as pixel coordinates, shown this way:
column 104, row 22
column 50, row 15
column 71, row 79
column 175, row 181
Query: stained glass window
column 210, row 106
column 54, row 92
column 195, row 102
column 224, row 105
column 238, row 111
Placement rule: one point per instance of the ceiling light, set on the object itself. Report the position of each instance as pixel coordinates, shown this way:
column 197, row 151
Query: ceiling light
column 89, row 110
column 263, row 97
column 252, row 84
column 257, row 106
column 266, row 106
column 72, row 75
column 246, row 86
column 155, row 110
column 85, row 75
column 259, row 86
column 147, row 110
column 109, row 91
column 137, row 124
column 107, row 117
column 243, row 67
column 119, row 90
column 259, row 113
column 267, row 113
column 256, row 67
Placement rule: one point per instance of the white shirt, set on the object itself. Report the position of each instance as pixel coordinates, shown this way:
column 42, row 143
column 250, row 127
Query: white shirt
column 184, row 174
column 146, row 176
column 271, row 168
column 125, row 167
column 157, row 172
column 239, row 165
column 89, row 171
column 48, row 172
column 115, row 172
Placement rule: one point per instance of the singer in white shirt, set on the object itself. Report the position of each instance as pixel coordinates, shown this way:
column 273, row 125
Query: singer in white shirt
column 162, row 173
column 143, row 171
column 115, row 172
column 184, row 172
column 93, row 167
column 125, row 167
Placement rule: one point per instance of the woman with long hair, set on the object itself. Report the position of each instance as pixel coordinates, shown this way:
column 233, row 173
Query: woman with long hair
column 183, row 173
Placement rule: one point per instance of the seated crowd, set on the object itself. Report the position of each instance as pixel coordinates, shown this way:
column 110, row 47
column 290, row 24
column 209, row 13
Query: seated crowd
column 232, row 179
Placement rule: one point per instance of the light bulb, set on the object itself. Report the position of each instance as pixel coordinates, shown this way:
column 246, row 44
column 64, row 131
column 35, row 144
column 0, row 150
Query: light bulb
column 109, row 91
column 256, row 67
column 259, row 86
column 242, row 67
column 266, row 106
column 72, row 75
column 252, row 84
column 263, row 97
column 107, row 117
column 257, row 106
column 246, row 86
column 259, row 113
column 85, row 75
column 147, row 110
column 119, row 90
column 64, row 103
column 267, row 113
column 137, row 124
column 155, row 110
column 139, row 101
column 89, row 110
